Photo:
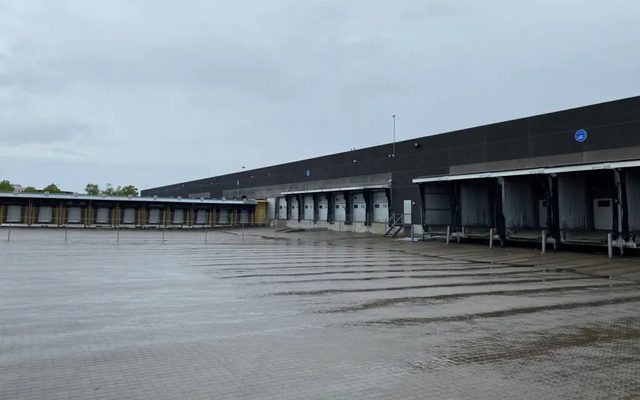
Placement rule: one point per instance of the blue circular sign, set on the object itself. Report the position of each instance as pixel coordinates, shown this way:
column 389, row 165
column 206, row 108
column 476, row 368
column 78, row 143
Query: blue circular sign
column 581, row 135
column 308, row 172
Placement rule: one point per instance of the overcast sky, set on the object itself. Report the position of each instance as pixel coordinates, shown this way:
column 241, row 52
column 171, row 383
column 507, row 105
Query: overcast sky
column 150, row 92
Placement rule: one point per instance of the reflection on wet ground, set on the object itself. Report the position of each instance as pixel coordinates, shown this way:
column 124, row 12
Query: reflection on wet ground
column 246, row 316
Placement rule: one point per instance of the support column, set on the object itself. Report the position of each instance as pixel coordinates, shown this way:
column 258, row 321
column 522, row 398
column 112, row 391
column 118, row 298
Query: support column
column 331, row 204
column 368, row 206
column 300, row 207
column 623, row 206
column 316, row 197
column 554, row 207
column 348, row 207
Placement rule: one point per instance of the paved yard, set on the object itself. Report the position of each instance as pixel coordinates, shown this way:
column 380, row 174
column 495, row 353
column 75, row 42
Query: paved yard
column 266, row 315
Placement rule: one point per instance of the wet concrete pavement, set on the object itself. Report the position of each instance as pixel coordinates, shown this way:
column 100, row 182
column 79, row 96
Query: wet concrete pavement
column 309, row 315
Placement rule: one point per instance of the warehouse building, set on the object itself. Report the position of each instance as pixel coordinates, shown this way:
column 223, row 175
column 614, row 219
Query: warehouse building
column 573, row 175
column 74, row 210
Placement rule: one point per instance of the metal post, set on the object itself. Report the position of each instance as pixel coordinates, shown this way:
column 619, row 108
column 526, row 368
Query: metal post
column 621, row 239
column 66, row 232
column 544, row 242
column 118, row 234
column 609, row 245
column 243, row 232
column 491, row 238
column 163, row 226
column 393, row 152
column 206, row 230
column 9, row 234
column 448, row 234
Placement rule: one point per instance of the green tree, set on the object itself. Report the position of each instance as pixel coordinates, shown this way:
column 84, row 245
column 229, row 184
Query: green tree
column 108, row 190
column 92, row 189
column 6, row 186
column 52, row 188
column 128, row 190
column 31, row 189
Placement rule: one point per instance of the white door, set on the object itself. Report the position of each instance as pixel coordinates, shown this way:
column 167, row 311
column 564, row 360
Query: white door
column 282, row 208
column 603, row 214
column 359, row 208
column 75, row 215
column 380, row 207
column 407, row 211
column 294, row 209
column 543, row 209
column 154, row 216
column 45, row 215
column 308, row 207
column 323, row 209
column 201, row 217
column 178, row 216
column 129, row 216
column 223, row 216
column 340, row 208
column 14, row 214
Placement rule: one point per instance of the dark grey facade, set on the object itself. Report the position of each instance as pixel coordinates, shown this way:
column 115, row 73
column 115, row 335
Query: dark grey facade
column 540, row 141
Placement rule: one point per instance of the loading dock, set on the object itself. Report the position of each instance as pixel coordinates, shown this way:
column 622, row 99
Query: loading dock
column 591, row 204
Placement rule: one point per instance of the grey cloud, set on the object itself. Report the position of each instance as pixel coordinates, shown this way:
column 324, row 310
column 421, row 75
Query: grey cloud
column 212, row 86
column 43, row 132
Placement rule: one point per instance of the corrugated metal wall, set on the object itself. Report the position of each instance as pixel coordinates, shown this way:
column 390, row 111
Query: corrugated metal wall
column 437, row 204
column 518, row 203
column 474, row 203
column 573, row 202
column 632, row 177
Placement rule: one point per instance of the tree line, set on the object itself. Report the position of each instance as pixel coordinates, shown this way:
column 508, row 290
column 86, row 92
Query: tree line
column 90, row 188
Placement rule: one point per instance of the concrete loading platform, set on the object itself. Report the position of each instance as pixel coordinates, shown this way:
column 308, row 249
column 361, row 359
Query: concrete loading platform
column 314, row 315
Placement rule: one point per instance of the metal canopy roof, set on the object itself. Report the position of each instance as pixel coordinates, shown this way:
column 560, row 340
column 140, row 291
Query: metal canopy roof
column 531, row 171
column 342, row 189
column 173, row 200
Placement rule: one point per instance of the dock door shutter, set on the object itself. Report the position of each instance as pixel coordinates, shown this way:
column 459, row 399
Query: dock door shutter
column 380, row 207
column 308, row 207
column 244, row 216
column 102, row 215
column 474, row 203
column 178, row 216
column 45, row 215
column 223, row 216
column 14, row 214
column 323, row 207
column 154, row 216
column 75, row 215
column 282, row 208
column 573, row 202
column 632, row 178
column 437, row 204
column 129, row 216
column 201, row 217
column 359, row 210
column 518, row 203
